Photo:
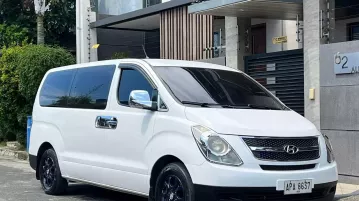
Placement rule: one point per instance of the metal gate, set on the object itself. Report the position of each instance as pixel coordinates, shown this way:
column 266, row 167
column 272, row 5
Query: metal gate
column 282, row 73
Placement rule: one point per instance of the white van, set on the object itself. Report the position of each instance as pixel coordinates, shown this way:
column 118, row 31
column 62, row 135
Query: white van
column 175, row 131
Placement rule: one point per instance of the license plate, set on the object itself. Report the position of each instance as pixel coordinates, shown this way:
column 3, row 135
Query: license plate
column 297, row 187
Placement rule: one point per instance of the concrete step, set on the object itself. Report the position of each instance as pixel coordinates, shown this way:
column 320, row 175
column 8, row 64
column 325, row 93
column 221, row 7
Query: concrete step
column 13, row 145
column 10, row 152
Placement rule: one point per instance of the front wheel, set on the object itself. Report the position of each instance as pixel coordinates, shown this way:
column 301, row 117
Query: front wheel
column 50, row 174
column 174, row 184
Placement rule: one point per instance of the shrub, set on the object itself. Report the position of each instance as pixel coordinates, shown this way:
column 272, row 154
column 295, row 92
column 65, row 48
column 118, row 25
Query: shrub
column 10, row 98
column 21, row 71
column 12, row 35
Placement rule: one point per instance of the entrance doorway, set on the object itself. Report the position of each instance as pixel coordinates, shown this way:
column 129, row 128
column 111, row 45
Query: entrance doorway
column 259, row 39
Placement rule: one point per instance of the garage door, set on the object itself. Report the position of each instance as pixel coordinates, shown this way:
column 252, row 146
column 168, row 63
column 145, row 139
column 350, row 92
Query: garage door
column 282, row 73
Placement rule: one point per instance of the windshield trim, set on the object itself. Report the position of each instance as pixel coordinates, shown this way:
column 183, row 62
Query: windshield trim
column 283, row 106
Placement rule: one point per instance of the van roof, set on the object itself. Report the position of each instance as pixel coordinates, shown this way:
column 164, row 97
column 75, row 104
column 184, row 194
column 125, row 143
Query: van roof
column 183, row 63
column 152, row 62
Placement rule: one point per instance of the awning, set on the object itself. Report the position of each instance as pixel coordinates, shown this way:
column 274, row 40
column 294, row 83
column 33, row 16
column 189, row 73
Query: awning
column 146, row 19
column 267, row 9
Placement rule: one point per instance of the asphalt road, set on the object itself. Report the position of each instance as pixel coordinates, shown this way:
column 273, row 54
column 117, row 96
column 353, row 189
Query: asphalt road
column 17, row 183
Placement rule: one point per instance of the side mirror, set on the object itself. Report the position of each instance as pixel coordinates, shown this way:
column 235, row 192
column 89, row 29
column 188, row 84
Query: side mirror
column 141, row 99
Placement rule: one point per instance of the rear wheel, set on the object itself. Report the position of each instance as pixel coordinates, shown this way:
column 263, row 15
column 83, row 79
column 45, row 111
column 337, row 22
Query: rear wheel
column 174, row 184
column 50, row 174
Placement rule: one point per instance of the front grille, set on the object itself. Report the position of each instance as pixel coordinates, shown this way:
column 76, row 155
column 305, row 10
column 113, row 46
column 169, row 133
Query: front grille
column 287, row 167
column 273, row 149
column 280, row 142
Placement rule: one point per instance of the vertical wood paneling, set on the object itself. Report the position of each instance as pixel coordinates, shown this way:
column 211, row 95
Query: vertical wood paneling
column 185, row 36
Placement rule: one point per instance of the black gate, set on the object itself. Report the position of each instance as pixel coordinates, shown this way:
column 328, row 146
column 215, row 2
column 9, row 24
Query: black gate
column 282, row 73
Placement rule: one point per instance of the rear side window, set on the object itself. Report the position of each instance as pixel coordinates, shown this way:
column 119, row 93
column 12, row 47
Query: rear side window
column 91, row 86
column 56, row 87
column 132, row 79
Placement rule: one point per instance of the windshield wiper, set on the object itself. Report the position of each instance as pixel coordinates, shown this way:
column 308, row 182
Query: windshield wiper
column 262, row 107
column 199, row 104
column 213, row 104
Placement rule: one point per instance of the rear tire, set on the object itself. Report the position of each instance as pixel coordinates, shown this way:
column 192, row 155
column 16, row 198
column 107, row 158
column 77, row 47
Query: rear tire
column 50, row 175
column 174, row 184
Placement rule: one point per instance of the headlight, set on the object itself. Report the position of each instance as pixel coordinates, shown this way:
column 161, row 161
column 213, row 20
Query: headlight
column 330, row 154
column 214, row 148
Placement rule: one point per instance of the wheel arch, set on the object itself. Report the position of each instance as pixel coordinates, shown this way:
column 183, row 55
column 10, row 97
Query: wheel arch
column 157, row 168
column 43, row 147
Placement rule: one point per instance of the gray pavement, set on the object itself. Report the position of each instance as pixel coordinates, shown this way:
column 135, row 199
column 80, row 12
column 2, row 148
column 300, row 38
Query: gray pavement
column 17, row 183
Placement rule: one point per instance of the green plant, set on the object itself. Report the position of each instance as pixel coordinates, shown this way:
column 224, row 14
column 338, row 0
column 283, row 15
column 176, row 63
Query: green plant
column 10, row 100
column 120, row 55
column 12, row 35
column 21, row 72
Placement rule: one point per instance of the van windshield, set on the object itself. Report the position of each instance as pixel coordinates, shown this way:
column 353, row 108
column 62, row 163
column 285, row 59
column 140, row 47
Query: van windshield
column 206, row 87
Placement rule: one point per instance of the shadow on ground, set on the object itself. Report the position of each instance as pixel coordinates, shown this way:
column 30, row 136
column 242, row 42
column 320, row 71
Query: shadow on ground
column 86, row 192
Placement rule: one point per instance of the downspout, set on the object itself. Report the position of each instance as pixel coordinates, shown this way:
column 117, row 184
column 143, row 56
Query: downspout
column 78, row 31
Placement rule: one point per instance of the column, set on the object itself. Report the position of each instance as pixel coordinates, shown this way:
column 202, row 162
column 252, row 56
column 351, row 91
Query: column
column 85, row 37
column 312, row 42
column 245, row 41
column 238, row 41
column 232, row 47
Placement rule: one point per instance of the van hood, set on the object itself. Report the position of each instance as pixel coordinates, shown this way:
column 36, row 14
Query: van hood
column 251, row 122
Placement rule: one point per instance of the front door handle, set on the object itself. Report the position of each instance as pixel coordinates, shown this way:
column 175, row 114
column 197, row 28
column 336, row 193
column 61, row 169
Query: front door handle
column 106, row 122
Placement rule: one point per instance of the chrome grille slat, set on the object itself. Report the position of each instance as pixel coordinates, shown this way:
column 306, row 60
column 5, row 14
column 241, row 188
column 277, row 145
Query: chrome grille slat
column 280, row 149
column 272, row 149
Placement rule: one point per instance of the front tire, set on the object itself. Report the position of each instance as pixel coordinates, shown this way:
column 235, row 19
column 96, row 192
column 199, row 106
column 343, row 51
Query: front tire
column 50, row 175
column 174, row 184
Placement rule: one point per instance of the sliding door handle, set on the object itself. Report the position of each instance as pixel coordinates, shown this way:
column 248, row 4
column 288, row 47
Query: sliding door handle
column 106, row 122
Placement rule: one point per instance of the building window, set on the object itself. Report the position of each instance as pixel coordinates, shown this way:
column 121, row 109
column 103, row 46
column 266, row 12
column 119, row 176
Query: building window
column 353, row 31
column 148, row 3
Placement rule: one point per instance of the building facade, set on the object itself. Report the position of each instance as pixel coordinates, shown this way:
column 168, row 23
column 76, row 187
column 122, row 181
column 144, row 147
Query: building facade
column 305, row 51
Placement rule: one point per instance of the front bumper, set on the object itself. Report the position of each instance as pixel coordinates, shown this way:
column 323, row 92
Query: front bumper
column 321, row 192
column 209, row 174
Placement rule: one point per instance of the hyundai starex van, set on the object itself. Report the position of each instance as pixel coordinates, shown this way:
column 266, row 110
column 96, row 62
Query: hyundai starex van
column 175, row 131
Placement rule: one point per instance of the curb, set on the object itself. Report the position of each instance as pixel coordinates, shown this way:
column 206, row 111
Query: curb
column 21, row 155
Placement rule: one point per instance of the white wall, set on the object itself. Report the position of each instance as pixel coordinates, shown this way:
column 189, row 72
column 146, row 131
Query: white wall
column 341, row 32
column 276, row 28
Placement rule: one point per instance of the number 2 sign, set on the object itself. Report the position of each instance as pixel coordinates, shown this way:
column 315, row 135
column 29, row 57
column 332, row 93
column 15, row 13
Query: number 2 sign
column 346, row 63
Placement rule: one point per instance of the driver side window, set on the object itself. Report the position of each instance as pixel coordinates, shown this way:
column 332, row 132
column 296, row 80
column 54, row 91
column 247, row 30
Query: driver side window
column 132, row 79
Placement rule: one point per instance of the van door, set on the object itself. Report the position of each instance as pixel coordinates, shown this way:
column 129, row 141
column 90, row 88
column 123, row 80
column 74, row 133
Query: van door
column 126, row 145
column 84, row 148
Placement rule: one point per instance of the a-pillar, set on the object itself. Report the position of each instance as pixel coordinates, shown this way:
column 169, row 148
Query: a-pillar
column 238, row 41
column 312, row 41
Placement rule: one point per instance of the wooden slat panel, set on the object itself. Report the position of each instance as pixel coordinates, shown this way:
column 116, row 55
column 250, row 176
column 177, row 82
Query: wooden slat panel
column 185, row 40
column 211, row 36
column 175, row 33
column 190, row 29
column 185, row 36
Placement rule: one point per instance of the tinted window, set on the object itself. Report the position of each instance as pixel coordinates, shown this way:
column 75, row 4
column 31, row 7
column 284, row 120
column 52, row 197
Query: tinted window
column 91, row 87
column 212, row 87
column 55, row 89
column 132, row 80
column 354, row 31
